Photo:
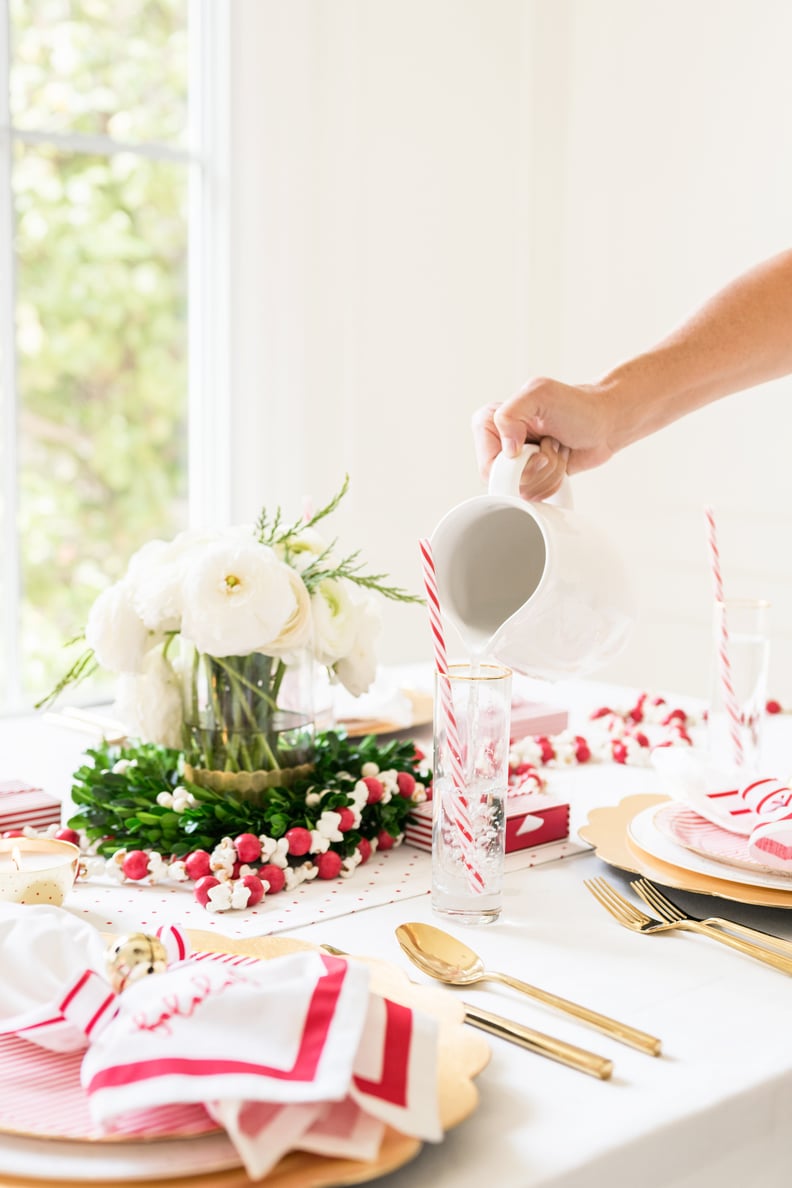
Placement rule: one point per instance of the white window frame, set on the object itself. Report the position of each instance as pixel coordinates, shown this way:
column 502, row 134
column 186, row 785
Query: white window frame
column 207, row 159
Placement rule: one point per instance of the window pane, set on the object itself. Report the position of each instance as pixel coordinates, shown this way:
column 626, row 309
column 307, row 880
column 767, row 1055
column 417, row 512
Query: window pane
column 100, row 67
column 102, row 364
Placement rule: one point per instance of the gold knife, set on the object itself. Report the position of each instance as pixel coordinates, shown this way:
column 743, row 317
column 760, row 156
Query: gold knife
column 539, row 1043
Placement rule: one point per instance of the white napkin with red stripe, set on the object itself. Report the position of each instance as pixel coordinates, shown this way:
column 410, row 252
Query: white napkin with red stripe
column 753, row 804
column 294, row 1052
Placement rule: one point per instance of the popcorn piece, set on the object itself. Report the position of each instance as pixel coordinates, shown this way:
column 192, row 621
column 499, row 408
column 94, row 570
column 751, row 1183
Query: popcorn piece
column 329, row 826
column 319, row 843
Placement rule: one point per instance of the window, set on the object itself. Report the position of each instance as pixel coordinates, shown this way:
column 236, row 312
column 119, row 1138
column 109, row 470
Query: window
column 104, row 178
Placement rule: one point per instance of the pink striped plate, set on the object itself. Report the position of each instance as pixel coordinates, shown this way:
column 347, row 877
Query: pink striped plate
column 48, row 1101
column 694, row 833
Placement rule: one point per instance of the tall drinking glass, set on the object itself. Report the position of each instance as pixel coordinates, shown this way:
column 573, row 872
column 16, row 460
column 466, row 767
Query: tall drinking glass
column 736, row 725
column 472, row 717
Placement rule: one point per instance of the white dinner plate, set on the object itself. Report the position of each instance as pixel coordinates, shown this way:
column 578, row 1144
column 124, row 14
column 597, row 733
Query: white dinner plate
column 110, row 1163
column 649, row 830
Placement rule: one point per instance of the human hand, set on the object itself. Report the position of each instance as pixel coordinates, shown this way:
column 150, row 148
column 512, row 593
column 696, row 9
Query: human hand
column 547, row 412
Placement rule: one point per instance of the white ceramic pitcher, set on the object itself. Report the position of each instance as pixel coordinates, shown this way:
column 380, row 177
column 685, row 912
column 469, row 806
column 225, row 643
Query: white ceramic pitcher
column 534, row 586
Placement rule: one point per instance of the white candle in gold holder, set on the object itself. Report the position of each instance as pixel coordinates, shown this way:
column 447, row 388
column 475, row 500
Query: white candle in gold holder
column 37, row 870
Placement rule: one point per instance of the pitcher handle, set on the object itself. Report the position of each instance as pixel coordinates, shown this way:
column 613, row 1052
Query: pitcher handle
column 505, row 477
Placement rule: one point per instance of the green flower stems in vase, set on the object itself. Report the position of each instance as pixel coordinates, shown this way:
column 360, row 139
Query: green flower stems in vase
column 235, row 720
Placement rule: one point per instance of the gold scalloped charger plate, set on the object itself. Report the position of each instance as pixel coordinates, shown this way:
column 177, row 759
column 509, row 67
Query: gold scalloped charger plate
column 608, row 831
column 462, row 1054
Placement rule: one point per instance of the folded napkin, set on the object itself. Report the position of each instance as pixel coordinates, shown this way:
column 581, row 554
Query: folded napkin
column 294, row 1052
column 754, row 805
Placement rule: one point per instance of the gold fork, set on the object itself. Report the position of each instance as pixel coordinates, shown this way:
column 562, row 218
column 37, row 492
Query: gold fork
column 672, row 911
column 633, row 918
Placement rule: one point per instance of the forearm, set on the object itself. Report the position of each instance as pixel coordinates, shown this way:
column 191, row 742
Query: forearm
column 741, row 337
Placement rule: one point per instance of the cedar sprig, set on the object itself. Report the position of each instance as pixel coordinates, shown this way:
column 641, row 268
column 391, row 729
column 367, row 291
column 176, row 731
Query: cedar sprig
column 83, row 667
column 324, row 567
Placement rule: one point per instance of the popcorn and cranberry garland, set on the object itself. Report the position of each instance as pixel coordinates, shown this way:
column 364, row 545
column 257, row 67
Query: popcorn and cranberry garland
column 239, row 871
column 323, row 831
column 620, row 736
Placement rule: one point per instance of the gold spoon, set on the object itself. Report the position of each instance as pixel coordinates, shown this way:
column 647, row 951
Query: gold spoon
column 526, row 1037
column 442, row 956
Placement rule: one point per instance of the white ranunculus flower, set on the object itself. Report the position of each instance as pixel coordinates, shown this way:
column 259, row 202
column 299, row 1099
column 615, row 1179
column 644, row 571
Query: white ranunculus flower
column 305, row 547
column 116, row 632
column 357, row 670
column 334, row 621
column 149, row 703
column 296, row 631
column 238, row 598
column 156, row 573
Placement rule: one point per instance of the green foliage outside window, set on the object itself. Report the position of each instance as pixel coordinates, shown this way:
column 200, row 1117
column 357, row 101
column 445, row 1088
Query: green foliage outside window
column 101, row 317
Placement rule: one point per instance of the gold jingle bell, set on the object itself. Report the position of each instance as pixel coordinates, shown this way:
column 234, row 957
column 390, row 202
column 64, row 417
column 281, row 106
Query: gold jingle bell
column 132, row 957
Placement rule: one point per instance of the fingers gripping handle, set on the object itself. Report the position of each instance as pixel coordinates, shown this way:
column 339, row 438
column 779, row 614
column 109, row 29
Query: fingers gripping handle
column 506, row 472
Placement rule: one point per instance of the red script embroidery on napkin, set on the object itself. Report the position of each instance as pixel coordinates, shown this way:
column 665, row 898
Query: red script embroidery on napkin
column 176, row 1008
column 317, row 1024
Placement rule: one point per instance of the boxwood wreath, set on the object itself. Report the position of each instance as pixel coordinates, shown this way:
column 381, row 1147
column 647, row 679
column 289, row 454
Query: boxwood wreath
column 139, row 819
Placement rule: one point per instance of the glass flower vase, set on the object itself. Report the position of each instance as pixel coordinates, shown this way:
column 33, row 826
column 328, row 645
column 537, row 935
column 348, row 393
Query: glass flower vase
column 248, row 721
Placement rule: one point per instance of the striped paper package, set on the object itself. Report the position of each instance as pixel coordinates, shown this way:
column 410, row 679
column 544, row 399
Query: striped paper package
column 23, row 806
column 532, row 819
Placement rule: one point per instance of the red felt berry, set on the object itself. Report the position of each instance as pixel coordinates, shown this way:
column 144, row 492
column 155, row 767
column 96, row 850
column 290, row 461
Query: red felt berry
column 69, row 835
column 135, row 865
column 582, row 749
column 773, row 707
column 546, row 747
column 299, row 840
column 375, row 789
column 347, row 821
column 328, row 865
column 248, row 847
column 406, row 784
column 197, row 864
column 256, row 889
column 619, row 751
column 418, row 755
column 385, row 841
column 273, row 875
column 364, row 849
column 203, row 887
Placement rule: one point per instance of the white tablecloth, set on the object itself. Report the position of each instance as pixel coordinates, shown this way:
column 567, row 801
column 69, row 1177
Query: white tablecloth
column 715, row 1111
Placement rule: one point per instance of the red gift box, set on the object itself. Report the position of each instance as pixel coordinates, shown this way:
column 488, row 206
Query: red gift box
column 532, row 818
column 22, row 805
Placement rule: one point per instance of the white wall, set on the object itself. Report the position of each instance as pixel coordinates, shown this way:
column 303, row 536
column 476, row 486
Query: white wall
column 435, row 199
column 677, row 175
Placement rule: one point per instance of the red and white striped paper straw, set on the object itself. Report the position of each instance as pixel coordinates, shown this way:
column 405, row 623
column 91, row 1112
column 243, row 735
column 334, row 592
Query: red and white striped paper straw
column 461, row 813
column 724, row 661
